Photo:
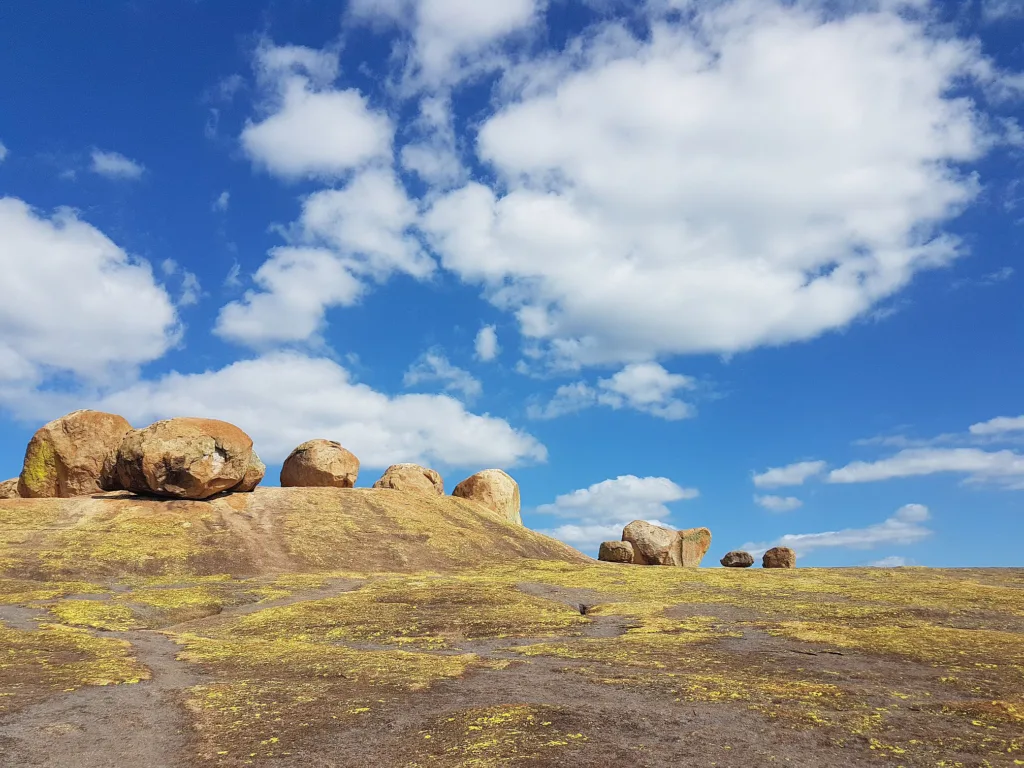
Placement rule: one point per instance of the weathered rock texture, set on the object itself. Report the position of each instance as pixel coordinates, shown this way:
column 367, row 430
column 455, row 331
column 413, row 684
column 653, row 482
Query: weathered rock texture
column 411, row 477
column 73, row 456
column 616, row 552
column 693, row 545
column 253, row 475
column 779, row 557
column 184, row 458
column 320, row 464
column 652, row 544
column 495, row 490
column 9, row 489
column 737, row 559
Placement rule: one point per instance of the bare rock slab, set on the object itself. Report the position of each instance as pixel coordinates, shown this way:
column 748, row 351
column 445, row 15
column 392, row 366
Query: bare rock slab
column 496, row 490
column 320, row 464
column 74, row 455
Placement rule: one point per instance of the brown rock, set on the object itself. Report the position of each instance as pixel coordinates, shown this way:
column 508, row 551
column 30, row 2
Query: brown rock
column 779, row 557
column 737, row 559
column 253, row 475
column 616, row 552
column 693, row 545
column 652, row 544
column 495, row 490
column 411, row 477
column 184, row 458
column 320, row 464
column 9, row 489
column 73, row 456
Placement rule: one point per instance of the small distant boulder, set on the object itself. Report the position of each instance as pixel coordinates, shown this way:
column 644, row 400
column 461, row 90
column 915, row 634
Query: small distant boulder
column 320, row 464
column 253, row 475
column 616, row 552
column 496, row 490
column 74, row 455
column 9, row 489
column 694, row 543
column 652, row 544
column 184, row 458
column 737, row 559
column 779, row 557
column 413, row 478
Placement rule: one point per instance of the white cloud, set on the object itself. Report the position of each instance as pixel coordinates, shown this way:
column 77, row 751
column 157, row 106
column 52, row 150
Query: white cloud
column 449, row 37
column 778, row 503
column 433, row 366
column 222, row 202
column 792, row 474
column 3, row 152
column 297, row 285
column 191, row 290
column 601, row 511
column 434, row 155
column 999, row 426
column 893, row 561
column 904, row 527
column 644, row 387
column 283, row 399
column 1004, row 467
column 759, row 177
column 1001, row 10
column 73, row 300
column 487, row 344
column 114, row 165
column 312, row 129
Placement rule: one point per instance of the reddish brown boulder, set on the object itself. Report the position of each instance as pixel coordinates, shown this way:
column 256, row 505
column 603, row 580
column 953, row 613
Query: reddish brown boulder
column 320, row 464
column 184, row 458
column 652, row 544
column 73, row 456
column 616, row 552
column 779, row 557
column 411, row 477
column 253, row 475
column 737, row 559
column 496, row 490
column 694, row 543
column 9, row 489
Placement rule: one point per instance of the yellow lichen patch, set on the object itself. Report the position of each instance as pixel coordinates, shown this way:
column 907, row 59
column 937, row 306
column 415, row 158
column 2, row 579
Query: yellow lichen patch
column 59, row 658
column 98, row 614
column 294, row 583
column 24, row 591
column 430, row 612
column 498, row 736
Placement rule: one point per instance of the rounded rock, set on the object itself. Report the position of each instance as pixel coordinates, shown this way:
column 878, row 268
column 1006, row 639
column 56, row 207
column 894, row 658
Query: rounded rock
column 779, row 557
column 74, row 455
column 652, row 544
column 254, row 474
column 737, row 559
column 616, row 552
column 9, row 489
column 496, row 490
column 412, row 478
column 320, row 464
column 694, row 543
column 184, row 458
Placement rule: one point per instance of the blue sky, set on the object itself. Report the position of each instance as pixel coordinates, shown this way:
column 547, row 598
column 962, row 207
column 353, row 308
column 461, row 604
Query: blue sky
column 748, row 265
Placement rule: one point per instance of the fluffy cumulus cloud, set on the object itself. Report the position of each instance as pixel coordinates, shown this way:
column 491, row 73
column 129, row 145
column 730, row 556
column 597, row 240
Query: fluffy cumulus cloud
column 791, row 474
column 74, row 302
column 311, row 128
column 904, row 527
column 644, row 387
column 598, row 513
column 487, row 344
column 1002, row 467
column 759, row 176
column 114, row 165
column 778, row 503
column 999, row 426
column 283, row 399
column 433, row 367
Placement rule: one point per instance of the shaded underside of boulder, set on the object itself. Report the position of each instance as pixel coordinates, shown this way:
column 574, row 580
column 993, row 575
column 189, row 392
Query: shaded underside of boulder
column 272, row 529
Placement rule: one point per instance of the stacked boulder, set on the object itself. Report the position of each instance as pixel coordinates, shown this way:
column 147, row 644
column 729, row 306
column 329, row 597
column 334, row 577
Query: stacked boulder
column 646, row 544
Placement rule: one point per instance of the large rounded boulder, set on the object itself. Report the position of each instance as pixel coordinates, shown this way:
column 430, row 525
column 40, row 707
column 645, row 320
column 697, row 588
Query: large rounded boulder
column 737, row 559
column 779, row 557
column 73, row 456
column 9, row 489
column 320, row 464
column 412, row 478
column 652, row 544
column 495, row 490
column 184, row 458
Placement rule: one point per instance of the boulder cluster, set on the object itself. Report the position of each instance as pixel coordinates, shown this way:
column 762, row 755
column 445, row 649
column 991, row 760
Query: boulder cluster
column 776, row 557
column 646, row 544
column 89, row 452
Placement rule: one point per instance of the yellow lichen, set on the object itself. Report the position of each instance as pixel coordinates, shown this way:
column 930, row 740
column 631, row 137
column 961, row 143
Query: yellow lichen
column 98, row 614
